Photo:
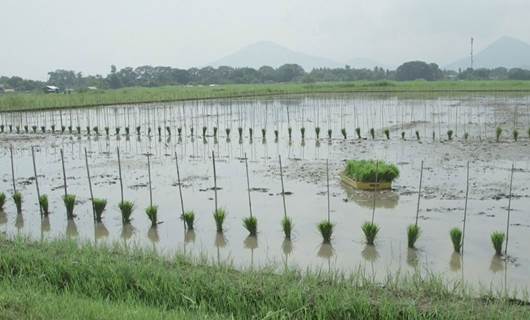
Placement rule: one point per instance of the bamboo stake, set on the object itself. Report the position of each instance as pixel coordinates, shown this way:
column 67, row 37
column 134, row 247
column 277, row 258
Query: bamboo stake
column 180, row 185
column 90, row 186
column 283, row 189
column 119, row 170
column 149, row 174
column 375, row 189
column 327, row 177
column 214, row 180
column 36, row 181
column 465, row 207
column 509, row 209
column 419, row 194
column 64, row 174
column 248, row 185
column 12, row 169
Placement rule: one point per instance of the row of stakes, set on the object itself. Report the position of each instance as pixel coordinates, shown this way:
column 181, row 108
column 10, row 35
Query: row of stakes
column 250, row 223
column 95, row 130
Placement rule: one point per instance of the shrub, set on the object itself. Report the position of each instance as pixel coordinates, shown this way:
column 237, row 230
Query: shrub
column 219, row 216
column 326, row 230
column 365, row 171
column 498, row 133
column 413, row 233
column 44, row 204
column 251, row 224
column 497, row 239
column 99, row 207
column 456, row 239
column 287, row 226
column 387, row 134
column 126, row 208
column 17, row 197
column 2, row 200
column 69, row 203
column 189, row 219
column 370, row 231
column 152, row 214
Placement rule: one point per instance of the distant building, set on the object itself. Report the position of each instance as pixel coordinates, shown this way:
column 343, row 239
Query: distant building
column 51, row 89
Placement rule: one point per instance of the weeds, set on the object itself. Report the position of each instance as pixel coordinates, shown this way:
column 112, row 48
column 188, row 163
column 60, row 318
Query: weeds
column 69, row 203
column 498, row 133
column 44, row 204
column 413, row 233
column 126, row 209
column 456, row 239
column 189, row 219
column 370, row 231
column 99, row 207
column 326, row 230
column 152, row 214
column 251, row 224
column 17, row 197
column 287, row 227
column 497, row 239
column 219, row 216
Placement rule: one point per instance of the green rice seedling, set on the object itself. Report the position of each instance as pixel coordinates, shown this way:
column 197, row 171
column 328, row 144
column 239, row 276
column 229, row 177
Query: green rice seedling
column 370, row 231
column 34, row 128
column 413, row 233
column 2, row 128
column 43, row 129
column 418, row 135
column 26, row 129
column 70, row 129
column 159, row 131
column 466, row 136
column 326, row 230
column 329, row 133
column 497, row 239
column 372, row 133
column 126, row 209
column 215, row 131
column 179, row 131
column 276, row 134
column 450, row 134
column 18, row 129
column 402, row 135
column 240, row 131
column 204, row 131
column 138, row 129
column 302, row 132
column 456, row 239
column 127, row 131
column 251, row 133
column 2, row 200
column 287, row 226
column 219, row 216
column 152, row 214
column 17, row 197
column 263, row 133
column 88, row 130
column 53, row 128
column 227, row 131
column 387, row 134
column 117, row 131
column 251, row 224
column 344, row 134
column 96, row 131
column 317, row 132
column 290, row 132
column 99, row 207
column 528, row 133
column 433, row 136
column 63, row 129
column 107, row 131
column 78, row 129
column 358, row 132
column 44, row 204
column 69, row 203
column 192, row 131
column 515, row 134
column 10, row 128
column 168, row 130
column 369, row 170
column 189, row 218
column 498, row 133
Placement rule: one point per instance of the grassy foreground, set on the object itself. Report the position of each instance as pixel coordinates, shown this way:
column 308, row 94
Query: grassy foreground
column 62, row 280
column 41, row 101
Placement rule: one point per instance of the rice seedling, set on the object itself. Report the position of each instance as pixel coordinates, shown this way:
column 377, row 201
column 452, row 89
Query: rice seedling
column 34, row 128
column 498, row 133
column 317, row 132
column 44, row 204
column 387, row 134
column 344, row 134
column 2, row 200
column 368, row 170
column 96, row 131
column 456, row 239
column 215, row 131
column 466, row 136
column 179, row 131
column 117, row 131
column 263, row 133
column 69, row 203
column 290, row 132
column 126, row 209
column 17, row 198
column 107, row 131
column 302, row 132
column 326, row 230
column 2, row 128
column 370, row 231
column 99, row 207
column 159, row 131
column 70, row 129
column 168, row 130
column 528, row 132
column 189, row 219
column 329, row 133
column 450, row 134
column 240, row 131
column 152, row 214
column 276, row 134
column 191, row 131
column 497, row 239
column 10, row 128
column 358, row 132
column 433, row 136
column 372, row 133
column 18, row 129
column 53, row 128
column 138, row 129
column 43, row 129
column 26, row 129
column 413, row 233
column 63, row 128
column 127, row 131
column 204, row 131
column 78, row 129
column 287, row 227
column 88, row 130
column 219, row 216
column 251, row 133
column 418, row 135
column 515, row 134
column 227, row 131
column 251, row 224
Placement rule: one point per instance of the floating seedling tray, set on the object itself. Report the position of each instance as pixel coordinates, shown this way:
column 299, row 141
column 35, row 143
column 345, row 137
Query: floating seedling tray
column 368, row 186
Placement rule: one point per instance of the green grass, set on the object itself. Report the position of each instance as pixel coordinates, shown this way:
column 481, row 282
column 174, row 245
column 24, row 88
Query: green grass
column 497, row 239
column 365, row 171
column 287, row 227
column 370, row 231
column 2, row 200
column 17, row 198
column 44, row 204
column 413, row 233
column 189, row 219
column 99, row 208
column 251, row 224
column 456, row 239
column 152, row 214
column 219, row 216
column 57, row 280
column 69, row 203
column 326, row 230
column 126, row 209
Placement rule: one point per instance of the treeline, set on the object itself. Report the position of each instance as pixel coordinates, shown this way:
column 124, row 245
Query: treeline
column 149, row 76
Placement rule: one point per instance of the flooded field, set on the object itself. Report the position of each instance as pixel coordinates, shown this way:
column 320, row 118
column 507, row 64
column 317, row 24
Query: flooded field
column 473, row 120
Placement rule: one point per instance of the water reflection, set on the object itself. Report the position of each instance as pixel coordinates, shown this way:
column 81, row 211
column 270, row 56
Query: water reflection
column 370, row 253
column 153, row 236
column 3, row 217
column 19, row 222
column 287, row 249
column 127, row 231
column 497, row 264
column 101, row 231
column 326, row 252
column 71, row 229
column 251, row 242
column 412, row 257
column 455, row 263
column 189, row 236
column 385, row 199
column 45, row 224
column 220, row 242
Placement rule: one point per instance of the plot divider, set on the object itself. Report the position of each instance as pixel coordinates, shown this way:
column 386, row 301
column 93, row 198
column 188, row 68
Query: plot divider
column 64, row 174
column 36, row 181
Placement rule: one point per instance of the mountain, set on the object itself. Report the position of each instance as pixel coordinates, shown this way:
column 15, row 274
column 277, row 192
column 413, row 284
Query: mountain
column 274, row 55
column 505, row 52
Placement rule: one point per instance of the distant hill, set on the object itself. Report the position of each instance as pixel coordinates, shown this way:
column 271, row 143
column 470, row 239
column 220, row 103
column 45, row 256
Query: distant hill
column 505, row 52
column 274, row 55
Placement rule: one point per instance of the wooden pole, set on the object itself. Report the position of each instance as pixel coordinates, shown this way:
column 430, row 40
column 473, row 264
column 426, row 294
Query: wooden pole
column 119, row 170
column 214, row 180
column 327, row 177
column 283, row 189
column 180, row 185
column 248, row 185
column 465, row 207
column 149, row 174
column 90, row 186
column 509, row 210
column 64, row 174
column 12, row 169
column 419, row 194
column 375, row 189
column 36, row 181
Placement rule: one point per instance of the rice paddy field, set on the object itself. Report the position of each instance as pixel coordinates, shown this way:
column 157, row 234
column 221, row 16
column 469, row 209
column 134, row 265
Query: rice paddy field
column 435, row 135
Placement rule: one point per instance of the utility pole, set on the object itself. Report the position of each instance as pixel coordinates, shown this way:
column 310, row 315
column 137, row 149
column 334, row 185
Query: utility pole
column 471, row 54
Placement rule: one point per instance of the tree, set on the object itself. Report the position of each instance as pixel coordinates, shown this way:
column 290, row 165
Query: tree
column 289, row 72
column 416, row 70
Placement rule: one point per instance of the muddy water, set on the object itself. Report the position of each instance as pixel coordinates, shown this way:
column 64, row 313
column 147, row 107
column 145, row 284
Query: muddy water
column 441, row 207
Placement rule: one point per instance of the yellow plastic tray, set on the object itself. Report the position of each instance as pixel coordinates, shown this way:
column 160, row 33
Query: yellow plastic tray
column 369, row 186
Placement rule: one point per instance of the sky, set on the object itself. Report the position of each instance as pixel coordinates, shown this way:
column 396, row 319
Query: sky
column 88, row 36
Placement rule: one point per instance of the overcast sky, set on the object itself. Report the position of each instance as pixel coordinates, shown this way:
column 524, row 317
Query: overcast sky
column 38, row 36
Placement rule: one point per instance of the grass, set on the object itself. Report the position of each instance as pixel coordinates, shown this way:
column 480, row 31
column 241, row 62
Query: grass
column 61, row 279
column 251, row 224
column 17, row 198
column 219, row 216
column 456, row 239
column 287, row 227
column 370, row 231
column 326, row 230
column 2, row 200
column 367, row 170
column 413, row 233
column 69, row 203
column 189, row 219
column 498, row 133
column 497, row 239
column 152, row 214
column 99, row 208
column 44, row 204
column 126, row 209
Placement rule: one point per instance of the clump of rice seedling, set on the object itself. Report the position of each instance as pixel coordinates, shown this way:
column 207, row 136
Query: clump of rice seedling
column 26, row 129
column 450, row 134
column 329, row 133
column 43, row 129
column 126, row 208
column 251, row 224
column 189, row 218
column 387, row 134
column 290, row 132
column 78, row 129
column 370, row 231
column 227, row 131
column 127, row 131
column 358, row 132
column 138, row 129
column 402, row 135
column 215, row 131
column 456, row 239
column 69, row 129
column 107, row 131
column 192, row 131
column 368, row 170
column 168, row 130
column 498, row 133
column 317, row 132
column 413, row 233
column 17, row 197
column 433, row 136
column 152, row 214
column 34, row 128
column 18, row 129
column 287, row 226
column 263, row 133
column 240, row 131
column 53, row 128
column 63, row 128
column 497, row 239
column 276, row 133
column 418, row 135
column 344, row 134
column 99, row 207
column 528, row 132
column 204, row 131
column 219, row 216
column 515, row 134
column 87, row 130
column 159, row 131
column 117, row 131
column 466, row 136
column 179, row 131
column 251, row 132
column 302, row 132
column 372, row 133
column 44, row 204
column 326, row 230
column 96, row 131
column 69, row 203
column 2, row 200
